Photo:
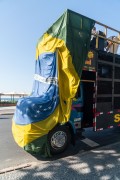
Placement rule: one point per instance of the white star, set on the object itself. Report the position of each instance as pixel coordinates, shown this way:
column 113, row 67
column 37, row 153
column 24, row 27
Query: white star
column 19, row 111
column 49, row 107
column 28, row 101
column 33, row 105
column 24, row 115
column 54, row 97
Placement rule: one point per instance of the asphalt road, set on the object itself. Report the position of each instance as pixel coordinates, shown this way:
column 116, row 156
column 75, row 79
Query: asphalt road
column 12, row 155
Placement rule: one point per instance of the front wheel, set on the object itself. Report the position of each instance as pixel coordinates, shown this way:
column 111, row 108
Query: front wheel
column 59, row 139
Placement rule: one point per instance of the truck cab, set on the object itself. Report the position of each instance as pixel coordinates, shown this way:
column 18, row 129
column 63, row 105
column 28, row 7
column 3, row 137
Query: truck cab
column 76, row 116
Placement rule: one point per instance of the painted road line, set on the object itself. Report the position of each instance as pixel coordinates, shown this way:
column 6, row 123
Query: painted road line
column 90, row 142
column 6, row 112
column 8, row 107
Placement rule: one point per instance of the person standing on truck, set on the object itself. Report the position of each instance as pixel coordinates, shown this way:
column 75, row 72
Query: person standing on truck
column 93, row 38
column 113, row 47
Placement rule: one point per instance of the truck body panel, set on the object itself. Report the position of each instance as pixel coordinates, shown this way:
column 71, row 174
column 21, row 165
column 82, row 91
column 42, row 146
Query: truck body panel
column 100, row 91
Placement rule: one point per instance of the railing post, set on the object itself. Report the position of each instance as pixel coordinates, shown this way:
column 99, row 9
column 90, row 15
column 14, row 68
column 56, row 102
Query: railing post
column 105, row 31
column 97, row 42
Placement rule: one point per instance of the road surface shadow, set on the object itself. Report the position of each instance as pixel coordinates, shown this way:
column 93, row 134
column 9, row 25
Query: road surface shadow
column 72, row 150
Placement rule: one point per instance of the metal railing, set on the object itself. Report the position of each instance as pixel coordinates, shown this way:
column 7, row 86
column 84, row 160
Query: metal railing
column 113, row 42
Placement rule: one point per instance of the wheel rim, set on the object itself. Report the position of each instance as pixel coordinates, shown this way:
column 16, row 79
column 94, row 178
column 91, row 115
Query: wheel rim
column 58, row 139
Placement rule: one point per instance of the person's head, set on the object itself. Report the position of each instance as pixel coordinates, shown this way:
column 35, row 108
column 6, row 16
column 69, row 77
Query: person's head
column 118, row 37
column 94, row 28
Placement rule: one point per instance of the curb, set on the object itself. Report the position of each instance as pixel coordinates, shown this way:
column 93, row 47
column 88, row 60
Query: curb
column 6, row 170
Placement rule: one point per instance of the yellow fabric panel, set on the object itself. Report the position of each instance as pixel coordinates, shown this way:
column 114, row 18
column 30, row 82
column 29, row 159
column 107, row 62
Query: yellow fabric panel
column 48, row 44
column 24, row 134
column 68, row 82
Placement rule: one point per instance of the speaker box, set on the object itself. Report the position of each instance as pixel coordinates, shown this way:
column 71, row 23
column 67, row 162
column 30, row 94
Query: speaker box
column 101, row 41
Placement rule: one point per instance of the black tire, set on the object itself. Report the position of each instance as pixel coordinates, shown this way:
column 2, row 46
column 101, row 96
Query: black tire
column 58, row 145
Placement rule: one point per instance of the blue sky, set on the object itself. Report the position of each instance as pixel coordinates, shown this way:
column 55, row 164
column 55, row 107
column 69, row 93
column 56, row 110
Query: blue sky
column 22, row 22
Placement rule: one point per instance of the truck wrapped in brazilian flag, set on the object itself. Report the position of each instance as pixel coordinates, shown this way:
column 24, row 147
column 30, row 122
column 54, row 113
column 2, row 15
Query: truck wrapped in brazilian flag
column 74, row 87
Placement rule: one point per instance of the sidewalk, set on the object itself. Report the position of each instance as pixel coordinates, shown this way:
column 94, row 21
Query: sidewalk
column 7, row 110
column 101, row 163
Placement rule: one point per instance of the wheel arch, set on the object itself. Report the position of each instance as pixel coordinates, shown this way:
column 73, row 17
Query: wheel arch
column 72, row 132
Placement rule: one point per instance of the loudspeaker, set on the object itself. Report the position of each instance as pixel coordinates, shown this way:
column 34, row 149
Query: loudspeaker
column 101, row 41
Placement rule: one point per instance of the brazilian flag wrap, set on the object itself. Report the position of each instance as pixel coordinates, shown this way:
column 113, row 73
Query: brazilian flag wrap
column 60, row 56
